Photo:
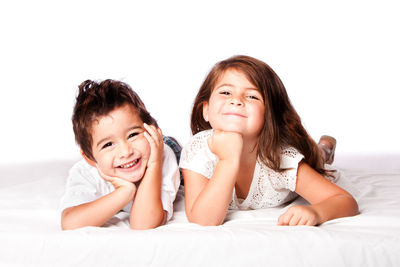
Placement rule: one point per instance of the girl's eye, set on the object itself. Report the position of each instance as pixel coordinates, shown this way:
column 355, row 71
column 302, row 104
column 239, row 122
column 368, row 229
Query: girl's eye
column 253, row 97
column 224, row 93
column 107, row 145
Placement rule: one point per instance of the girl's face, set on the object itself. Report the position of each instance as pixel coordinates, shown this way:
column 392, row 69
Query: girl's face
column 235, row 105
column 119, row 146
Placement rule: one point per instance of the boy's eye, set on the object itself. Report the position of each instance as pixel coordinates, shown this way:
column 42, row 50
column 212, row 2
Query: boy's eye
column 132, row 135
column 107, row 145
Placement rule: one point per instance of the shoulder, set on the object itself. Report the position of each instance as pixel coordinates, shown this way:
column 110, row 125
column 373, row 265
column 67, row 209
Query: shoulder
column 82, row 174
column 197, row 144
column 201, row 136
column 196, row 155
column 290, row 158
column 82, row 169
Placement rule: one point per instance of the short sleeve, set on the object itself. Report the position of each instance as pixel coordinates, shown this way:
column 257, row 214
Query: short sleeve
column 84, row 185
column 196, row 155
column 287, row 179
column 170, row 181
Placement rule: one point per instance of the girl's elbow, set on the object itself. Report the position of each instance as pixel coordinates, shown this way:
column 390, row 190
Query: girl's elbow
column 146, row 225
column 351, row 206
column 355, row 209
column 204, row 221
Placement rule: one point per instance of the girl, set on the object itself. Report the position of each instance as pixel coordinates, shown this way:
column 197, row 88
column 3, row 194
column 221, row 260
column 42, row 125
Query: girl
column 250, row 151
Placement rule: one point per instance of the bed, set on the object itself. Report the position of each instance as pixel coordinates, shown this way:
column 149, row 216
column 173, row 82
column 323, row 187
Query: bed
column 30, row 227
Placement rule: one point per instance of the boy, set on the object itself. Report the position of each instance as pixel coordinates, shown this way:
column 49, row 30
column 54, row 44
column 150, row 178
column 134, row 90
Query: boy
column 126, row 165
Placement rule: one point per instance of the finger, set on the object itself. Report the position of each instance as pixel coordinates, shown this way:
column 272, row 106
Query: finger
column 309, row 223
column 105, row 177
column 159, row 132
column 149, row 139
column 154, row 132
column 285, row 218
column 280, row 220
column 303, row 221
column 294, row 221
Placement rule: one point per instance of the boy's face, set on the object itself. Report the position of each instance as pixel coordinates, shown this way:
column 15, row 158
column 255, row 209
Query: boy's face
column 119, row 146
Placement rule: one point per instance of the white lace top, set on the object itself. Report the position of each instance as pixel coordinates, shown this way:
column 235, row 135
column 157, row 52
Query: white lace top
column 268, row 188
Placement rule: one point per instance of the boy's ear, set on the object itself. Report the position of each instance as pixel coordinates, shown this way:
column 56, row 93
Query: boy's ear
column 205, row 111
column 89, row 161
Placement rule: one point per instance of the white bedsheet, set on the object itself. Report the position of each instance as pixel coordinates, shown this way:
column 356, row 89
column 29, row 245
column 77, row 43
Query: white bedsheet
column 30, row 232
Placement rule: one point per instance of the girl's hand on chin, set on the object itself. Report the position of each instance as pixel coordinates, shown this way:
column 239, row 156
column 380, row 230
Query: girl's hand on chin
column 226, row 145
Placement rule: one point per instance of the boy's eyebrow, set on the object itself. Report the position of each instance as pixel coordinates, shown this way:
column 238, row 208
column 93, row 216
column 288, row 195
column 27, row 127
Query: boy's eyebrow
column 108, row 137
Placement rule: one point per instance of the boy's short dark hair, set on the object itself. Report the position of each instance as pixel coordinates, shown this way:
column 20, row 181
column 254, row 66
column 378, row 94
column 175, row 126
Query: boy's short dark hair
column 96, row 99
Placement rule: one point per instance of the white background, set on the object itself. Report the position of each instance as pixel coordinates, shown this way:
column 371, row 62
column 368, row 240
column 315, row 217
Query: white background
column 339, row 61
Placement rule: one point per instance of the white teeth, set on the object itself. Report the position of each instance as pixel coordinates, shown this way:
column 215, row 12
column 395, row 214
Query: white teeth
column 130, row 164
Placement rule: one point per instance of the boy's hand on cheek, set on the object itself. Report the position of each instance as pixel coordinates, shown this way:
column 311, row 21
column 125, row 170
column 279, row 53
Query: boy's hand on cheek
column 155, row 138
column 226, row 145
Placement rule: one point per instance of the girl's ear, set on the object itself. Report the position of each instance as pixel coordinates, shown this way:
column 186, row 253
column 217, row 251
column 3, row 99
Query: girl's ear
column 89, row 161
column 205, row 111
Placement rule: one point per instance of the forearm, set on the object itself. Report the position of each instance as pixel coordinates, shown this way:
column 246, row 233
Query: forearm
column 147, row 211
column 97, row 212
column 211, row 205
column 337, row 206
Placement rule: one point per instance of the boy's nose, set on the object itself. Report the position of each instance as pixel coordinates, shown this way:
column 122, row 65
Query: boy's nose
column 125, row 150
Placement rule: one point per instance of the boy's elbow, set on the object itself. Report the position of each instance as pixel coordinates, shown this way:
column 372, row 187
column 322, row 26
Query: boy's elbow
column 67, row 221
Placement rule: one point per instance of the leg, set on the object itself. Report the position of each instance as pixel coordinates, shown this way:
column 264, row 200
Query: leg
column 327, row 146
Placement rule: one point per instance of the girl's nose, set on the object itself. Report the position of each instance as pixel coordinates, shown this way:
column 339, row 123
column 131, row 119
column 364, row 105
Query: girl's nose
column 236, row 101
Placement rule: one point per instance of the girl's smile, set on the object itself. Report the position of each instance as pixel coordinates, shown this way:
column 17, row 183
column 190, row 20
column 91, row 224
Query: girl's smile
column 235, row 105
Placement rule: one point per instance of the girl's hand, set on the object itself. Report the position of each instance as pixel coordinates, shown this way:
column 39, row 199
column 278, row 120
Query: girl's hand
column 155, row 138
column 226, row 145
column 299, row 215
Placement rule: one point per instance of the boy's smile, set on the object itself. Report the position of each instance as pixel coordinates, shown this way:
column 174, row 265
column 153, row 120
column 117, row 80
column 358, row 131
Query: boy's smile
column 119, row 146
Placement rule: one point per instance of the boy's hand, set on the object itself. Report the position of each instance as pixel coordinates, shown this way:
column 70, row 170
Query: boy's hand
column 155, row 138
column 117, row 182
column 226, row 145
column 299, row 215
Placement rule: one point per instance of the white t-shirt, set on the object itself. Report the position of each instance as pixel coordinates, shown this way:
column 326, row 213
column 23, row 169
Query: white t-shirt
column 84, row 184
column 268, row 187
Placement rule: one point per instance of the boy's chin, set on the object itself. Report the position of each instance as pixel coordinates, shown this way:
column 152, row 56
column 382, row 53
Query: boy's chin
column 132, row 179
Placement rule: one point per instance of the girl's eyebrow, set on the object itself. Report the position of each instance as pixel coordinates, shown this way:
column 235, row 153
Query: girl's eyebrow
column 225, row 84
column 109, row 137
column 231, row 85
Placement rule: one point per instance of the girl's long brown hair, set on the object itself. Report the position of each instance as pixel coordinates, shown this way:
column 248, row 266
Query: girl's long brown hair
column 282, row 125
